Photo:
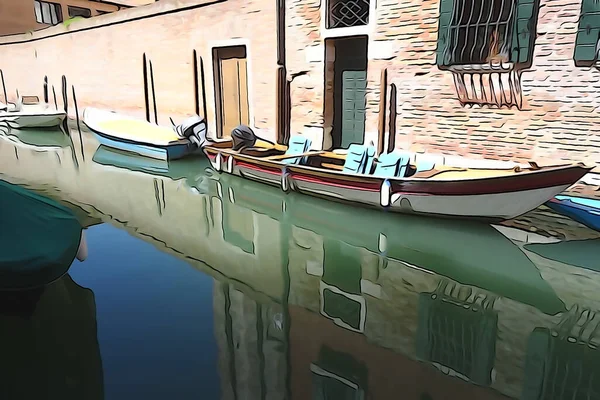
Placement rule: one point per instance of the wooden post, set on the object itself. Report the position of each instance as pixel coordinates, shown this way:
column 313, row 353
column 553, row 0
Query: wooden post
column 203, row 82
column 280, row 101
column 54, row 94
column 78, row 126
column 65, row 94
column 196, row 89
column 393, row 113
column 153, row 93
column 382, row 104
column 46, row 89
column 3, row 87
column 145, row 72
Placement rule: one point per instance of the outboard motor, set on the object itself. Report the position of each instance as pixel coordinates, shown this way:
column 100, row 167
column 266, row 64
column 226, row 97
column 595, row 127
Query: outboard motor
column 194, row 129
column 242, row 137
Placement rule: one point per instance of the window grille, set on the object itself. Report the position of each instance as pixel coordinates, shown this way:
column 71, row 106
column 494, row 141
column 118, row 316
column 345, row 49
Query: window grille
column 490, row 88
column 47, row 13
column 457, row 329
column 480, row 31
column 347, row 13
column 79, row 12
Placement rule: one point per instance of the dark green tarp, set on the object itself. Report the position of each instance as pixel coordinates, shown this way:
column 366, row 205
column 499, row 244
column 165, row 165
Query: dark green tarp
column 39, row 238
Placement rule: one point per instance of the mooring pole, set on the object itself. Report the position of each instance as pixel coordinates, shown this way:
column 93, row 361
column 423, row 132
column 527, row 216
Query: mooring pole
column 46, row 89
column 203, row 81
column 145, row 72
column 196, row 89
column 153, row 93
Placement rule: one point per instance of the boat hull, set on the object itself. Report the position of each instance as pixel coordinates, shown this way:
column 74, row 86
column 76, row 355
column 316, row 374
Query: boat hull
column 164, row 145
column 50, row 120
column 165, row 153
column 491, row 199
column 584, row 211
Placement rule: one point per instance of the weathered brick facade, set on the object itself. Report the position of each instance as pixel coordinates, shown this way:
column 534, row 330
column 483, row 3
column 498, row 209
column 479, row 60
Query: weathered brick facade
column 105, row 64
column 558, row 119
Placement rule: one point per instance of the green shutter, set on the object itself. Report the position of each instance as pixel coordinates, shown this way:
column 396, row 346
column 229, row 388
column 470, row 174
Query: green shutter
column 443, row 41
column 588, row 32
column 524, row 32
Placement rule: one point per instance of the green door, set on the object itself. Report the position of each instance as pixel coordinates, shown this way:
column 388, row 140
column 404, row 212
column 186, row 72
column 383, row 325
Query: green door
column 354, row 104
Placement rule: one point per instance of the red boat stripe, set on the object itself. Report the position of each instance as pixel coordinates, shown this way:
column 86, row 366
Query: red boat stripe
column 369, row 186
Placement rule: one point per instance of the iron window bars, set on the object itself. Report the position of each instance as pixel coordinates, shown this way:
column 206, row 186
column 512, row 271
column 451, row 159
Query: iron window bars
column 488, row 32
column 347, row 13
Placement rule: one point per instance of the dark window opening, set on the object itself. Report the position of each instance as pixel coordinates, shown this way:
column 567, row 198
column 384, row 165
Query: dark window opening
column 481, row 31
column 347, row 13
column 79, row 12
column 47, row 13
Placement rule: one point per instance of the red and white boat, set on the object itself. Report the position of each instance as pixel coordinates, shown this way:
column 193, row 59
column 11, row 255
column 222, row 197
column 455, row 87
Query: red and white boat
column 395, row 181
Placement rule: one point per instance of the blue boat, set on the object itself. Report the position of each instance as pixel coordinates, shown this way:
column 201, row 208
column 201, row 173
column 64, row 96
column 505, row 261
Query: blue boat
column 135, row 136
column 583, row 210
column 39, row 239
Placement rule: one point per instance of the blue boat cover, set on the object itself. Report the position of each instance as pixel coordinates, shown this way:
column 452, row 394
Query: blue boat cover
column 39, row 238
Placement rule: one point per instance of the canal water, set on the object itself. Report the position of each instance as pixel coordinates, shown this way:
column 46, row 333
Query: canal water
column 204, row 286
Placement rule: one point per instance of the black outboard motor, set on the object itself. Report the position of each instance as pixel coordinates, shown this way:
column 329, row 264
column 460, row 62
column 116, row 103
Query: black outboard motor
column 194, row 129
column 243, row 137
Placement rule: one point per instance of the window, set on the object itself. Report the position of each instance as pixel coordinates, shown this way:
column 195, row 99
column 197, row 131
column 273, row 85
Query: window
column 347, row 13
column 588, row 33
column 487, row 45
column 475, row 32
column 47, row 13
column 79, row 12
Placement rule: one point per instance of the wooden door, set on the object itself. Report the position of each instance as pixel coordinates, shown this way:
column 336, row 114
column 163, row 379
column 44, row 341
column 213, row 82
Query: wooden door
column 231, row 83
column 354, row 105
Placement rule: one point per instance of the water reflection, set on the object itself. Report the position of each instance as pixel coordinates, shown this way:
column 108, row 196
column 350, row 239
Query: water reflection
column 313, row 298
column 48, row 343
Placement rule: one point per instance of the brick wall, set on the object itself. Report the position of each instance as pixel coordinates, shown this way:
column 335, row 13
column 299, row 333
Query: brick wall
column 558, row 121
column 104, row 64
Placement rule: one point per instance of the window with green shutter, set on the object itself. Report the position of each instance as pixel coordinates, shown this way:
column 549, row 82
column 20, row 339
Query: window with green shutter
column 475, row 32
column 588, row 33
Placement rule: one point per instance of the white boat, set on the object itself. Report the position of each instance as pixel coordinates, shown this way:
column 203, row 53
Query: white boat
column 29, row 112
column 136, row 136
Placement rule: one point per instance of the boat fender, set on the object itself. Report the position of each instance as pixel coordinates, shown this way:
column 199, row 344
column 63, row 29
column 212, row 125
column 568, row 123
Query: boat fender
column 285, row 182
column 230, row 164
column 218, row 162
column 385, row 193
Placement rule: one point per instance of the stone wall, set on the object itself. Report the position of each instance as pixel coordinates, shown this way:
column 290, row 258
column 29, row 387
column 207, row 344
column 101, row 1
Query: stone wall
column 558, row 119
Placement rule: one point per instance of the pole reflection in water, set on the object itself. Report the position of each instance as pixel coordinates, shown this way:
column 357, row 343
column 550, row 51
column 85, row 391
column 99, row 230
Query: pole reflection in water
column 311, row 299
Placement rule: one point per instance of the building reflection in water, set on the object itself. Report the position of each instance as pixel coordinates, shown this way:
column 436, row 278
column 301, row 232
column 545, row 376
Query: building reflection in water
column 49, row 345
column 314, row 298
column 457, row 331
column 563, row 362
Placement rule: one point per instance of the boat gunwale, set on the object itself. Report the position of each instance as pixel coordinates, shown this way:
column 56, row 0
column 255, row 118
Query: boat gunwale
column 394, row 181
